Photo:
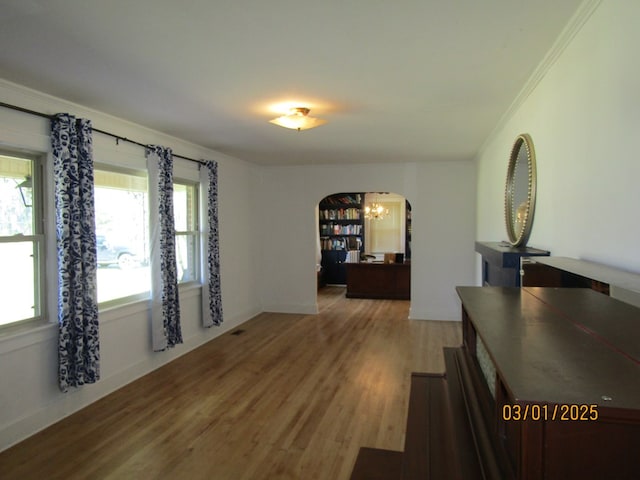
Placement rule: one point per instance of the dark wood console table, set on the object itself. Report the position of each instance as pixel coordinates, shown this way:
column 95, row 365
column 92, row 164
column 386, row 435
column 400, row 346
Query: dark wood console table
column 379, row 280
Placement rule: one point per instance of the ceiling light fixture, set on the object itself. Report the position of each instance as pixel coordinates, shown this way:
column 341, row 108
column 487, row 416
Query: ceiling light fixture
column 298, row 119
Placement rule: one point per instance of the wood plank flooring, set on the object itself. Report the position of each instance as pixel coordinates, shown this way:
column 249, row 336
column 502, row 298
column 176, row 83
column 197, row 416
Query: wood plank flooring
column 291, row 397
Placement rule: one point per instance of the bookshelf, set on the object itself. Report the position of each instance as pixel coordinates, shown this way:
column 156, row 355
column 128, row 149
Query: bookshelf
column 408, row 229
column 341, row 227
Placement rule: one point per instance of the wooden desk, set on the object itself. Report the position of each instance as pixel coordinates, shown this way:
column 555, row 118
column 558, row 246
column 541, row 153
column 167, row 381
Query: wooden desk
column 379, row 280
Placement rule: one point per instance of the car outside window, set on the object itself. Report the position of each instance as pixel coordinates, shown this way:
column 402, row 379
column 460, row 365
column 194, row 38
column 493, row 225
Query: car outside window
column 122, row 234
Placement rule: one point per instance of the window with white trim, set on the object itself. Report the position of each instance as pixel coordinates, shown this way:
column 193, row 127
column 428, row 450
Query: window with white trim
column 185, row 211
column 21, row 238
column 122, row 233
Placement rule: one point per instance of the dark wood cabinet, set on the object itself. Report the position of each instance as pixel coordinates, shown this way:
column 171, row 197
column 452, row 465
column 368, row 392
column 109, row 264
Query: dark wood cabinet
column 556, row 378
column 334, row 270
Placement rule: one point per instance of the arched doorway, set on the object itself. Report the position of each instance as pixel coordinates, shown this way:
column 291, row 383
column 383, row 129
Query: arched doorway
column 368, row 228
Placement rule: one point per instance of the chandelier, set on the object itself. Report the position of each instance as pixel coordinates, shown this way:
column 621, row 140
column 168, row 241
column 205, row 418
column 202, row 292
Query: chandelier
column 375, row 211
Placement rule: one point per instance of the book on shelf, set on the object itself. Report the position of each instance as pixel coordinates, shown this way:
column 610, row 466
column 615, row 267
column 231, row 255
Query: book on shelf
column 340, row 214
column 338, row 229
column 343, row 199
column 353, row 256
column 341, row 243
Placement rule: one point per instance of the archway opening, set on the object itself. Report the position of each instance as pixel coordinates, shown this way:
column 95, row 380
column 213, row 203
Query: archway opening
column 365, row 235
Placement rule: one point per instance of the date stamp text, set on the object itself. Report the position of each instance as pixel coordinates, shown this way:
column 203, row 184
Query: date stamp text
column 564, row 412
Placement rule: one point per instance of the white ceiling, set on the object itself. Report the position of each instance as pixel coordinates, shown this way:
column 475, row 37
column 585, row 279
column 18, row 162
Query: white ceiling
column 404, row 80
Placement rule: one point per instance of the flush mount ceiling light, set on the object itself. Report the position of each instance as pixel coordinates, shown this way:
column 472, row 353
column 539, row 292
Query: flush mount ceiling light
column 298, row 119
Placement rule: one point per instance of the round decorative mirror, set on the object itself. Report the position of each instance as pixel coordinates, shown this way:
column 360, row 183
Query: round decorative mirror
column 520, row 192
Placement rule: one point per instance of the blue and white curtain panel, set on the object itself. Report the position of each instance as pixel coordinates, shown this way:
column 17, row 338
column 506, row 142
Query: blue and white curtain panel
column 78, row 337
column 211, row 291
column 165, row 306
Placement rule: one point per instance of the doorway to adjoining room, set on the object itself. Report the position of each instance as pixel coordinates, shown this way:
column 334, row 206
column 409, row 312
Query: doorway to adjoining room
column 364, row 244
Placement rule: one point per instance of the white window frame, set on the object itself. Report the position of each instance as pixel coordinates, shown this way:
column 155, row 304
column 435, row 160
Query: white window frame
column 137, row 297
column 195, row 233
column 37, row 238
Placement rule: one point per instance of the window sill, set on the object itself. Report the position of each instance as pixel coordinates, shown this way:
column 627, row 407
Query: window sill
column 16, row 337
column 190, row 288
column 127, row 308
column 137, row 305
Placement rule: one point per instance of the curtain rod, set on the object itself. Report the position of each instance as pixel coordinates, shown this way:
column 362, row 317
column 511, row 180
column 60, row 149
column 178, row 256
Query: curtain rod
column 109, row 134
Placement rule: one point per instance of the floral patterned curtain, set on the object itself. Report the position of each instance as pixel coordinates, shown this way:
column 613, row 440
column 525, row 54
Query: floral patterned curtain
column 165, row 306
column 78, row 341
column 211, row 293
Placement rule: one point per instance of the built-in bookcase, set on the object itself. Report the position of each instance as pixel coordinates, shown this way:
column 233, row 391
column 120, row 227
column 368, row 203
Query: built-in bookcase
column 341, row 228
column 407, row 247
column 342, row 222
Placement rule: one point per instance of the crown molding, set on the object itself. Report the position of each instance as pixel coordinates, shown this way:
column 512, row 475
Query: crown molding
column 582, row 15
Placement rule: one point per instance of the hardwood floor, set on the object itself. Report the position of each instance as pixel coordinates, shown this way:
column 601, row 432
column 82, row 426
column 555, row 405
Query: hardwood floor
column 286, row 397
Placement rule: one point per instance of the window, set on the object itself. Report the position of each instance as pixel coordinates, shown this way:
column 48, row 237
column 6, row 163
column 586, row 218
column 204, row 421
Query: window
column 21, row 239
column 185, row 210
column 122, row 231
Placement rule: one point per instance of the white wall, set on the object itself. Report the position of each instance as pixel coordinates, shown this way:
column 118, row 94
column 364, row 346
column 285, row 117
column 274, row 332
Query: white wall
column 584, row 118
column 29, row 396
column 442, row 198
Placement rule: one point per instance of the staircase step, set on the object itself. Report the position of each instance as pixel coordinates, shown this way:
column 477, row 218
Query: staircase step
column 467, row 449
column 377, row 464
column 476, row 456
column 446, row 436
column 428, row 451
